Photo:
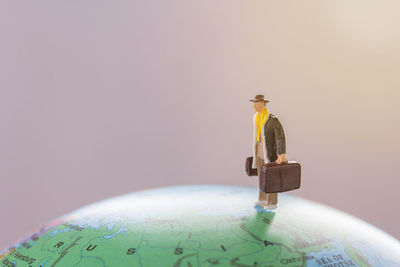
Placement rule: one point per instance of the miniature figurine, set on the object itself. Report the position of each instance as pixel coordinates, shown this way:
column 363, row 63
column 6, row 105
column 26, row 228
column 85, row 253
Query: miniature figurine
column 269, row 157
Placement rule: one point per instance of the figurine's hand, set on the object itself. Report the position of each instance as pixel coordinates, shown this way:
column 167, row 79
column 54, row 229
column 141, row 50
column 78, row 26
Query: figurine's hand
column 282, row 158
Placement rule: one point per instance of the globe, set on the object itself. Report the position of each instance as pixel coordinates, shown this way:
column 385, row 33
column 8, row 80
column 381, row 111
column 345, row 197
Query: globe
column 204, row 225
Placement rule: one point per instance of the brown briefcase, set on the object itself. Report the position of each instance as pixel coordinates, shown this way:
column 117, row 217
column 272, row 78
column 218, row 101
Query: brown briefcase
column 282, row 177
column 249, row 170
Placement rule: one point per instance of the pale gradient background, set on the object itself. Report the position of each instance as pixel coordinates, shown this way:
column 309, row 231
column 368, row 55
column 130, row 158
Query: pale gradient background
column 101, row 98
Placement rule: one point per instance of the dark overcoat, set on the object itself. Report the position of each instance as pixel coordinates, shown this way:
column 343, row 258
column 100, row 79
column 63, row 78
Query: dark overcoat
column 273, row 139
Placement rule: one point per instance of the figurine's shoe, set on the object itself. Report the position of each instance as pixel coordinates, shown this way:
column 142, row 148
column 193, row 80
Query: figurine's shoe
column 261, row 203
column 270, row 207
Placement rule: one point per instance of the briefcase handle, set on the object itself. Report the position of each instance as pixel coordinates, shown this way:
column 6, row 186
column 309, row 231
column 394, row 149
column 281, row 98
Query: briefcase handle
column 249, row 170
column 271, row 164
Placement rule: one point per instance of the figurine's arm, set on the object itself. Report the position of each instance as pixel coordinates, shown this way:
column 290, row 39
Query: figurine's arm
column 280, row 142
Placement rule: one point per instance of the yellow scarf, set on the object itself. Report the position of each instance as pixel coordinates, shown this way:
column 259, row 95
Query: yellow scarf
column 261, row 119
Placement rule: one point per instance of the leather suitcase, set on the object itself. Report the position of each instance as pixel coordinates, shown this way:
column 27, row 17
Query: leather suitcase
column 275, row 178
column 249, row 170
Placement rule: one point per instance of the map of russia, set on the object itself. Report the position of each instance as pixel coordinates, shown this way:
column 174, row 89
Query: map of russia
column 220, row 226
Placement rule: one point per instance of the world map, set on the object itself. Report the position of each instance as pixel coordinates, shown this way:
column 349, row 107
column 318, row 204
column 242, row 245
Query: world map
column 204, row 225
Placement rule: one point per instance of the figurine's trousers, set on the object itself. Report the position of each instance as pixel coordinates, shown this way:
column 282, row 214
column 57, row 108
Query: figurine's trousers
column 271, row 198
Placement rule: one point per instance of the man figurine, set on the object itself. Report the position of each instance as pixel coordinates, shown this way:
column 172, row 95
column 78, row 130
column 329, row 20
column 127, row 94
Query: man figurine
column 268, row 145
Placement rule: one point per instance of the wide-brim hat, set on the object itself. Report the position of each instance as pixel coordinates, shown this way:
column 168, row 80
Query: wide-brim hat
column 259, row 98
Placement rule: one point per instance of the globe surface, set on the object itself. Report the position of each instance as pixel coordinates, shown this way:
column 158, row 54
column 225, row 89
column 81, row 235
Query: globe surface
column 204, row 226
